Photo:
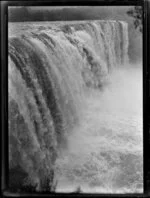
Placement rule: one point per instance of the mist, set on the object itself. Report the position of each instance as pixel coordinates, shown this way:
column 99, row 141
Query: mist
column 75, row 106
column 74, row 13
column 104, row 152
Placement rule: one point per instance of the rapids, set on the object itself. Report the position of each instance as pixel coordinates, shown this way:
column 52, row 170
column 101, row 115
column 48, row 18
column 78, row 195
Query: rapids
column 75, row 107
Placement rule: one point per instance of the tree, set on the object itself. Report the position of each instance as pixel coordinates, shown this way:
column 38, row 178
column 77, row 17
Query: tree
column 136, row 13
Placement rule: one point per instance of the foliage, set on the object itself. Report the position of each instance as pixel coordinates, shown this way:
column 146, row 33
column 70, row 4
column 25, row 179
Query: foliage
column 136, row 13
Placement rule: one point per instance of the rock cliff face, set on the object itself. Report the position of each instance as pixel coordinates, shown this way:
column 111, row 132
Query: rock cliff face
column 51, row 65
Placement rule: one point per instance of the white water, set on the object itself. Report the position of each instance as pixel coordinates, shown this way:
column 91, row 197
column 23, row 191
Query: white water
column 105, row 151
column 81, row 73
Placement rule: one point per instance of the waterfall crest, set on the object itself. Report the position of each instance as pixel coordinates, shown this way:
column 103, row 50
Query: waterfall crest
column 51, row 67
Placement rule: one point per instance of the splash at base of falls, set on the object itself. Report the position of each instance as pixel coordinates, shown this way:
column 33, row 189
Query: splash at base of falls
column 74, row 107
column 105, row 150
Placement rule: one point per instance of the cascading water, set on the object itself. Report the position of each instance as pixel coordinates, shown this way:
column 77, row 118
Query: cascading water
column 70, row 115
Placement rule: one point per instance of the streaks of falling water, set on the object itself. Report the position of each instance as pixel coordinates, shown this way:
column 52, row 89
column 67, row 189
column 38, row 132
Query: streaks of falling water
column 51, row 71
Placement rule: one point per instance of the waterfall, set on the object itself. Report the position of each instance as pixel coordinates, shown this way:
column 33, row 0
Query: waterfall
column 51, row 67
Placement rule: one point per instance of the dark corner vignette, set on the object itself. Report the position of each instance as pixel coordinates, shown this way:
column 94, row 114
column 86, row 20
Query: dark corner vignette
column 4, row 97
column 5, row 111
column 146, row 97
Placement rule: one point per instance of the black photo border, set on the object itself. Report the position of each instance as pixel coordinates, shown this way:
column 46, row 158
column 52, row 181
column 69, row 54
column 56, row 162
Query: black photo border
column 4, row 90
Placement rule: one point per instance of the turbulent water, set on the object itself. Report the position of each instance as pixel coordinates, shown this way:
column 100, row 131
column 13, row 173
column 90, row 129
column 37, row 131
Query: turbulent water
column 75, row 106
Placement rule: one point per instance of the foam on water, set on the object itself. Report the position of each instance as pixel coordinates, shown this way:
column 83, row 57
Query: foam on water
column 75, row 106
column 105, row 151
